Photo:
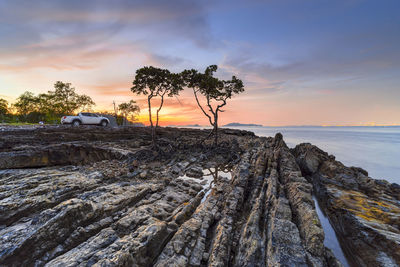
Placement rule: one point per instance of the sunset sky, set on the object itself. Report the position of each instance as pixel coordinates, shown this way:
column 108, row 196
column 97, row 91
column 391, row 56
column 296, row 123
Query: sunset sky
column 313, row 62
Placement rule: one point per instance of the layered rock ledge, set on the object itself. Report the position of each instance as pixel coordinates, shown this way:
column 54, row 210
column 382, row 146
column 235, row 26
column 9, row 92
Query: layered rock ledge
column 90, row 196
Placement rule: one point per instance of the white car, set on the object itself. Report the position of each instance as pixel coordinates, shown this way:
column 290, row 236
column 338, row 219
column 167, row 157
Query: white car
column 86, row 119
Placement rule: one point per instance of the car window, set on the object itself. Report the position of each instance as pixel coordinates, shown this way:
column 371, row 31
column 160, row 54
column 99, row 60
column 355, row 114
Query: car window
column 85, row 114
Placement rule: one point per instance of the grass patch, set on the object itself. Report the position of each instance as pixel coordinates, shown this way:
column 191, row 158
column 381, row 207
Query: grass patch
column 18, row 123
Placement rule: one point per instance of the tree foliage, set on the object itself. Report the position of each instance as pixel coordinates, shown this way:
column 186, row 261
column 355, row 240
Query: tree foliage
column 3, row 106
column 128, row 109
column 49, row 106
column 66, row 101
column 155, row 82
column 215, row 91
column 26, row 103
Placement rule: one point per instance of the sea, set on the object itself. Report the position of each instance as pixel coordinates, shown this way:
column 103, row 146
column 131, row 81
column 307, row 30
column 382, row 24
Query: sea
column 376, row 149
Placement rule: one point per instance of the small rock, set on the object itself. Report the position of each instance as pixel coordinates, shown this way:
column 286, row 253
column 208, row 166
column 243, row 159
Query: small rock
column 135, row 163
column 136, row 144
column 182, row 165
column 143, row 174
column 195, row 172
column 175, row 169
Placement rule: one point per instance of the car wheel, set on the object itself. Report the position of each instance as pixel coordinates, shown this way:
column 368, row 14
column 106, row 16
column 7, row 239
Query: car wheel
column 104, row 123
column 76, row 123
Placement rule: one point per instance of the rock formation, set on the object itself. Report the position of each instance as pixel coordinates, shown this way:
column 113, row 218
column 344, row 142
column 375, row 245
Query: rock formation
column 364, row 212
column 100, row 197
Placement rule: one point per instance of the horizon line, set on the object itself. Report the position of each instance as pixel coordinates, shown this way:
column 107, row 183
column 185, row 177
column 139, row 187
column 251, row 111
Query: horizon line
column 259, row 125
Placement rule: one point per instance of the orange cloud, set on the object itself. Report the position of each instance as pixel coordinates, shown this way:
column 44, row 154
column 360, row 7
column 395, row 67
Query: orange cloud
column 113, row 89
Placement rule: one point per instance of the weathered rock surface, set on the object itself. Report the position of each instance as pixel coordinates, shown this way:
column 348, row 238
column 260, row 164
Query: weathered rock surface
column 364, row 212
column 101, row 197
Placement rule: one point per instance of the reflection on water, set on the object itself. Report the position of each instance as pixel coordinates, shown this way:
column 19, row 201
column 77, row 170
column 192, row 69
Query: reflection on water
column 213, row 174
column 375, row 149
column 209, row 177
column 331, row 240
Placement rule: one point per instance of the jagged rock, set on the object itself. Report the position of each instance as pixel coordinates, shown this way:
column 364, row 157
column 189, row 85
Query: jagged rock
column 195, row 171
column 365, row 213
column 125, row 204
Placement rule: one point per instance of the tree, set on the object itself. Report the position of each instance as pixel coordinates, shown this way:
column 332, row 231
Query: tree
column 215, row 91
column 26, row 103
column 129, row 108
column 3, row 109
column 66, row 101
column 3, row 106
column 155, row 82
column 49, row 106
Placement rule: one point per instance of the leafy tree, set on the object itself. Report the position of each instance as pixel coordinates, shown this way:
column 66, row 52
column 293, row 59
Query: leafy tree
column 26, row 103
column 3, row 106
column 215, row 91
column 64, row 99
column 43, row 104
column 49, row 106
column 155, row 82
column 3, row 109
column 129, row 108
column 84, row 102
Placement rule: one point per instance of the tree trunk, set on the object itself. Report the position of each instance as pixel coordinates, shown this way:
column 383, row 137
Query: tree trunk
column 216, row 128
column 153, row 131
column 158, row 110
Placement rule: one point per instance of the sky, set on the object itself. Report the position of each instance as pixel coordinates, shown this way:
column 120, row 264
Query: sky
column 312, row 62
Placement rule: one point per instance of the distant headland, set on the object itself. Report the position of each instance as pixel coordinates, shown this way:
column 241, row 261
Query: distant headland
column 236, row 124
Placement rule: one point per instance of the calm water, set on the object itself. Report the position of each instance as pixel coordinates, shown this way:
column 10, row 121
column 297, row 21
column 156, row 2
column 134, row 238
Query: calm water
column 375, row 149
column 331, row 241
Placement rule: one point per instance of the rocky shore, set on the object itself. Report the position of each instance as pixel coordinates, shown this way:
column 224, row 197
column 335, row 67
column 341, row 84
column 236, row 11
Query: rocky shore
column 92, row 196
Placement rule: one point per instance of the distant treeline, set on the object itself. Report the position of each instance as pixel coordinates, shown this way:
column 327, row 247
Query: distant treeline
column 49, row 107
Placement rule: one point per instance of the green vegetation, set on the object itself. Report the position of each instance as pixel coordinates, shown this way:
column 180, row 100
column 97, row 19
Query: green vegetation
column 128, row 110
column 20, row 123
column 4, row 115
column 3, row 106
column 156, row 82
column 45, row 107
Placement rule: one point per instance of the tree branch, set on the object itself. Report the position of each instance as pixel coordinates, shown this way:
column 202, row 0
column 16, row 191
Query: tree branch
column 209, row 105
column 220, row 106
column 198, row 103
